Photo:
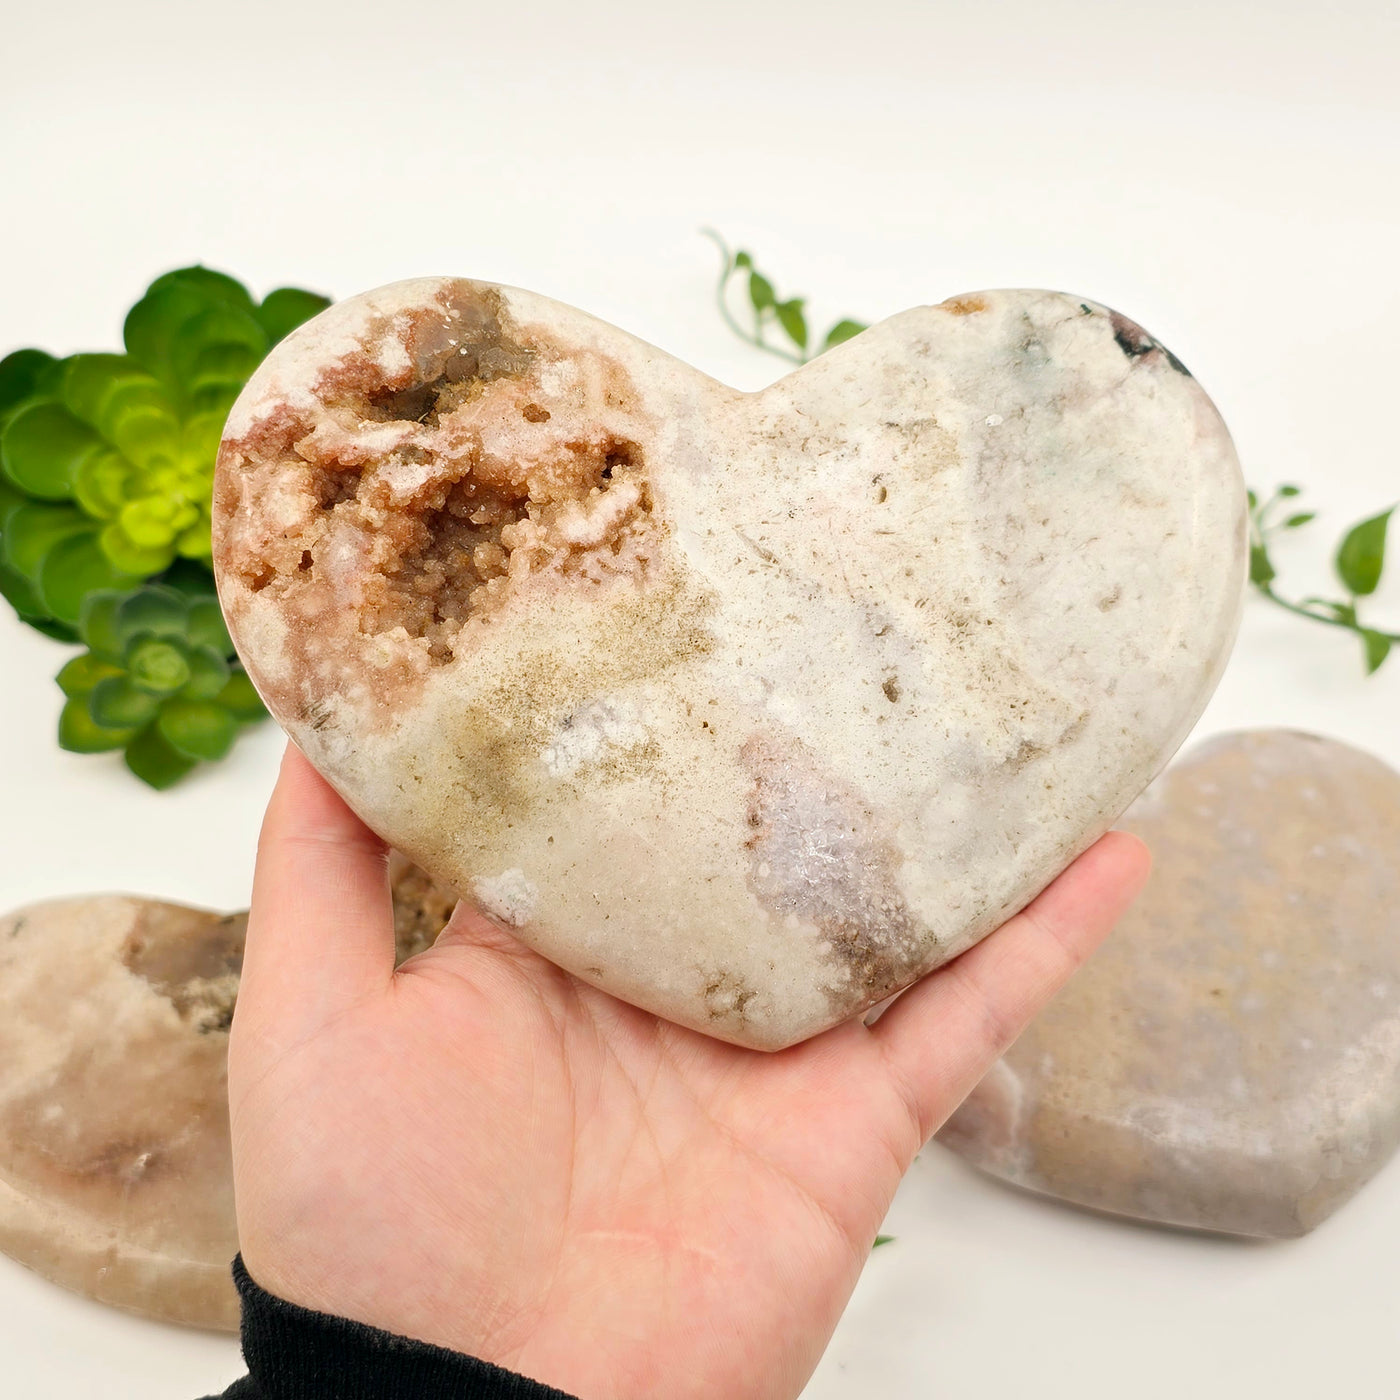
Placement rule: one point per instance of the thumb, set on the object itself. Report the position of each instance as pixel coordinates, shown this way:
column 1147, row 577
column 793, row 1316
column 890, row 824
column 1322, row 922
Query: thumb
column 321, row 926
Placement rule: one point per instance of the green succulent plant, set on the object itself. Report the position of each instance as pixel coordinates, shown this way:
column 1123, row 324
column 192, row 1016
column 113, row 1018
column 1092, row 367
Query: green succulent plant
column 107, row 461
column 158, row 681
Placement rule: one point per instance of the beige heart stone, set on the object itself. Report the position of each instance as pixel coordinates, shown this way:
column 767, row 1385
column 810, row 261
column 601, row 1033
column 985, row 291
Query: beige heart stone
column 748, row 708
column 1230, row 1059
column 115, row 1173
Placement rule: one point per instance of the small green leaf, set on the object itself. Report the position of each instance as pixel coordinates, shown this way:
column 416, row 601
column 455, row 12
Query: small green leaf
column 240, row 699
column 72, row 569
column 42, row 448
column 209, row 673
column 19, row 375
column 79, row 677
column 198, row 729
column 100, row 484
column 211, row 287
column 152, row 759
column 1261, row 571
column 285, row 309
column 161, row 612
column 97, row 623
column 33, row 529
column 743, row 259
column 206, row 626
column 793, row 321
column 157, row 665
column 117, row 704
column 841, row 332
column 761, row 292
column 137, row 559
column 882, row 1239
column 1252, row 499
column 1288, row 491
column 78, row 733
column 1302, row 518
column 1361, row 557
column 1377, row 646
column 21, row 596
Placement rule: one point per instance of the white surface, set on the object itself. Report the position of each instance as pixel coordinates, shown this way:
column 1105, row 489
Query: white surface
column 1225, row 173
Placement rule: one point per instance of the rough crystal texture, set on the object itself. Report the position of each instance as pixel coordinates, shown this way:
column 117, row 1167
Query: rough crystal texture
column 115, row 1174
column 1230, row 1060
column 748, row 708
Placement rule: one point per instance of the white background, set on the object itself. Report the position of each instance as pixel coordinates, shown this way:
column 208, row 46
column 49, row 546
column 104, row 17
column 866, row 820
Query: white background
column 1226, row 173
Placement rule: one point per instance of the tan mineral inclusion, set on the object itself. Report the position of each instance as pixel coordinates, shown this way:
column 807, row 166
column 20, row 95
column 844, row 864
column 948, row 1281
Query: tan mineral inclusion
column 1230, row 1059
column 748, row 708
column 115, row 1174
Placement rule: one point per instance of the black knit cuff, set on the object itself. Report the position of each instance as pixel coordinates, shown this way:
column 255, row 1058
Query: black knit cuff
column 296, row 1354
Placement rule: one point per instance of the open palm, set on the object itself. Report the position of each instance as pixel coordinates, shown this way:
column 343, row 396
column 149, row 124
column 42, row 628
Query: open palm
column 480, row 1151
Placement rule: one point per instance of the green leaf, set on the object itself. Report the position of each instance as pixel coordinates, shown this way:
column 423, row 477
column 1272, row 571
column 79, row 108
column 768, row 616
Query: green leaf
column 1377, row 646
column 761, row 292
column 72, row 569
column 285, row 309
column 1261, row 571
column 197, row 728
column 159, row 611
column 117, row 704
column 240, row 699
column 137, row 559
column 219, row 329
column 146, row 432
column 78, row 732
column 33, row 529
column 21, row 596
column 1361, row 557
column 97, row 623
column 1288, row 491
column 743, row 259
column 1302, row 518
column 98, row 388
column 882, row 1239
column 42, row 448
column 1248, row 495
column 157, row 665
column 152, row 759
column 793, row 321
column 209, row 673
column 206, row 626
column 843, row 331
column 101, row 483
column 20, row 372
column 79, row 677
column 213, row 287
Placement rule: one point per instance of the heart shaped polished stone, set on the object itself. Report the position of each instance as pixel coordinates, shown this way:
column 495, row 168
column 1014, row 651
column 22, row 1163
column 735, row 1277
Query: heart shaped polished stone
column 747, row 708
column 1230, row 1059
column 116, row 1171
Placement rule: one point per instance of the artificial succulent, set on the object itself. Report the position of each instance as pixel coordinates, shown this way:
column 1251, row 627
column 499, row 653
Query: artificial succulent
column 158, row 680
column 107, row 461
column 106, row 474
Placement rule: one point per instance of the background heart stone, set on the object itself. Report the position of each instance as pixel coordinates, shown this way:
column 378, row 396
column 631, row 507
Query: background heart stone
column 115, row 1172
column 1230, row 1059
column 748, row 708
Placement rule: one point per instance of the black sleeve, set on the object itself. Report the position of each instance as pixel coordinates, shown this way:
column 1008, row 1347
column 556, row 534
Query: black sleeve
column 295, row 1354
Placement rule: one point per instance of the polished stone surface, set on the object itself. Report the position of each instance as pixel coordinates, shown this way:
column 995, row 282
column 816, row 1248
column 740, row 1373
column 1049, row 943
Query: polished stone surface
column 115, row 1174
column 1230, row 1059
column 748, row 708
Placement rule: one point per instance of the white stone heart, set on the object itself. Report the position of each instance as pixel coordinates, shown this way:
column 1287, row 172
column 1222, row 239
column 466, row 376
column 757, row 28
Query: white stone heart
column 748, row 708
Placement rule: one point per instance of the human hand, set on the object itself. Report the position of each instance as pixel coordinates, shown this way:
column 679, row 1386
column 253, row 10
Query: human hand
column 480, row 1151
